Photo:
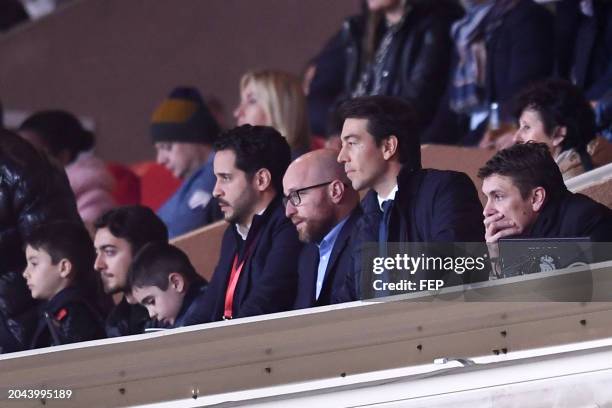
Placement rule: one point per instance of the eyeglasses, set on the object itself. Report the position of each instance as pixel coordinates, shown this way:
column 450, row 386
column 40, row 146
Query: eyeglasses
column 294, row 196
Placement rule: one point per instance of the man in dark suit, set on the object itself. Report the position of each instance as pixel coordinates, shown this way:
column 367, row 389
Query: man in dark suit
column 324, row 207
column 257, row 269
column 381, row 152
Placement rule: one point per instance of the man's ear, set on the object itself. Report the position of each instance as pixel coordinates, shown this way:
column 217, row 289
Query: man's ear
column 336, row 189
column 538, row 196
column 262, row 179
column 64, row 267
column 389, row 146
column 177, row 282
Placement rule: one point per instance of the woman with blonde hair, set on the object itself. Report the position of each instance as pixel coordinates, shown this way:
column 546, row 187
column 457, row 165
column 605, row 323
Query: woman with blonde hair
column 275, row 98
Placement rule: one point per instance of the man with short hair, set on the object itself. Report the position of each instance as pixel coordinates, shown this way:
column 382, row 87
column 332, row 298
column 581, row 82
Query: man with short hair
column 183, row 131
column 257, row 269
column 120, row 234
column 381, row 151
column 526, row 197
column 324, row 207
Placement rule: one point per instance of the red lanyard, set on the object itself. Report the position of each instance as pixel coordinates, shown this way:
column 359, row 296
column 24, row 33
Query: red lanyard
column 231, row 287
column 233, row 280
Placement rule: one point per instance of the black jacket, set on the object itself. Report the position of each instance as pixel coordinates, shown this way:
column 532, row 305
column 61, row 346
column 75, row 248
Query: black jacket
column 126, row 319
column 32, row 191
column 268, row 280
column 340, row 262
column 417, row 65
column 429, row 206
column 519, row 52
column 192, row 304
column 573, row 215
column 584, row 46
column 67, row 318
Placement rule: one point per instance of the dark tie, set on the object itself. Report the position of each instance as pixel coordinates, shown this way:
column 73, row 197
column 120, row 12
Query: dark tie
column 383, row 227
column 383, row 237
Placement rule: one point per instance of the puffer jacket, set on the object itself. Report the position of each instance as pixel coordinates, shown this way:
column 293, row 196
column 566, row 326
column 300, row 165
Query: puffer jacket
column 32, row 191
column 417, row 64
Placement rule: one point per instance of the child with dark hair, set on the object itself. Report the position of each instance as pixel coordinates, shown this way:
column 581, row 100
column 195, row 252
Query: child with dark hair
column 59, row 270
column 164, row 281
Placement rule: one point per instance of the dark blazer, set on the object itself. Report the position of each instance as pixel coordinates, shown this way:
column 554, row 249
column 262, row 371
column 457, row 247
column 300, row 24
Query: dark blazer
column 340, row 262
column 430, row 206
column 268, row 280
column 68, row 318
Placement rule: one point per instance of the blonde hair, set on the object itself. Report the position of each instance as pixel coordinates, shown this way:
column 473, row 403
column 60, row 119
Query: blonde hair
column 283, row 100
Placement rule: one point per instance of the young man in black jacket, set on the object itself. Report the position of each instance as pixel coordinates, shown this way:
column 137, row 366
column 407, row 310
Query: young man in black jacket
column 120, row 234
column 381, row 151
column 257, row 269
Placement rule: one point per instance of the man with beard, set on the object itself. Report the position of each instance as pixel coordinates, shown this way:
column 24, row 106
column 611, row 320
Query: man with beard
column 257, row 269
column 324, row 207
column 120, row 234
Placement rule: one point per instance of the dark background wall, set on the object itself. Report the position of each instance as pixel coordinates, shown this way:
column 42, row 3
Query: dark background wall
column 114, row 60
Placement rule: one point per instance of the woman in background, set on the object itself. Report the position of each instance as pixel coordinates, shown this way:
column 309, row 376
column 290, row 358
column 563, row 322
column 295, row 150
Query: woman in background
column 61, row 135
column 557, row 113
column 275, row 98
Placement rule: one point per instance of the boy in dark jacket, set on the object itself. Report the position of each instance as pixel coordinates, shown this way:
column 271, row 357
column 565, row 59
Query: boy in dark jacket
column 59, row 271
column 164, row 281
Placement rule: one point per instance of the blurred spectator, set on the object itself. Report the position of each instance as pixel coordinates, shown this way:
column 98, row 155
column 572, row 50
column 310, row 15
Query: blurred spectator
column 556, row 113
column 584, row 52
column 603, row 115
column 60, row 134
column 584, row 45
column 11, row 14
column 36, row 191
column 396, row 47
column 275, row 98
column 500, row 46
column 183, row 131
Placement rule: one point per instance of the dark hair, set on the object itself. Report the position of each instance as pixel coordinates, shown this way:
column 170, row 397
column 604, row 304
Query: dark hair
column 70, row 240
column 64, row 240
column 155, row 262
column 60, row 131
column 529, row 165
column 258, row 147
column 1, row 116
column 559, row 103
column 388, row 116
column 137, row 224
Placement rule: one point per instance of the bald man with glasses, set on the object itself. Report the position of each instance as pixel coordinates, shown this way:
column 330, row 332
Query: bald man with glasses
column 324, row 207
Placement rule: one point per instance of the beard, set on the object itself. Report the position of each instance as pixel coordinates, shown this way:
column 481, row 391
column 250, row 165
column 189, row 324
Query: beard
column 314, row 230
